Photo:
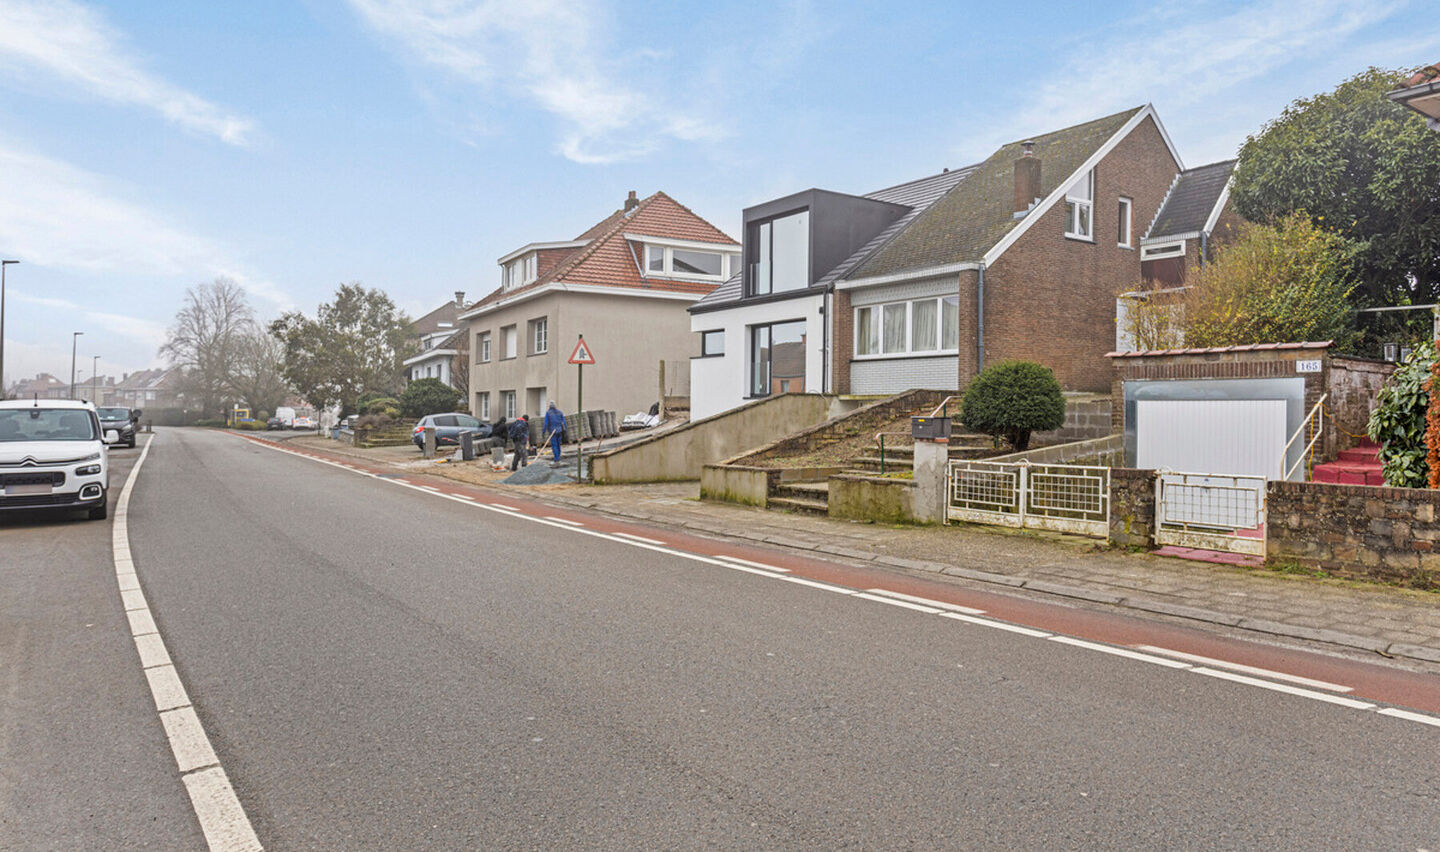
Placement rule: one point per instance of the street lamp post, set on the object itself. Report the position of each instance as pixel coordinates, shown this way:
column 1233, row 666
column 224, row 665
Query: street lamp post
column 74, row 338
column 3, row 264
column 95, row 379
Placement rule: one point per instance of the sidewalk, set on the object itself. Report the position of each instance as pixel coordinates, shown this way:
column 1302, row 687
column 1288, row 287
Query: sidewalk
column 1398, row 623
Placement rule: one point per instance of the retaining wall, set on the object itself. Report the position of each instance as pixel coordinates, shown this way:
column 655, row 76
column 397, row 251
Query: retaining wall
column 750, row 486
column 1362, row 531
column 1100, row 451
column 873, row 498
column 1132, row 507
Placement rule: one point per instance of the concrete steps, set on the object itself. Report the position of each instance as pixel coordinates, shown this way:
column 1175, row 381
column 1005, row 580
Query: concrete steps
column 811, row 498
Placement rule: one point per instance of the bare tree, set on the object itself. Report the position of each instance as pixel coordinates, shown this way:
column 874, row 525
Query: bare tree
column 204, row 342
column 255, row 376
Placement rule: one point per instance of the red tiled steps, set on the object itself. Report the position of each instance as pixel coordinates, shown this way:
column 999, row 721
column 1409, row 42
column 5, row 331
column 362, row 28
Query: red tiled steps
column 1358, row 465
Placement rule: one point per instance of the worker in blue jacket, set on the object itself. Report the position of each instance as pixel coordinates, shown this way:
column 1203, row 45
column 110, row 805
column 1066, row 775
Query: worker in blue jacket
column 554, row 427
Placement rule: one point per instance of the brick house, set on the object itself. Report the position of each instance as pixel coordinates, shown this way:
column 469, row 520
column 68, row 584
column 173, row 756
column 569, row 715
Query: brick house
column 624, row 284
column 921, row 284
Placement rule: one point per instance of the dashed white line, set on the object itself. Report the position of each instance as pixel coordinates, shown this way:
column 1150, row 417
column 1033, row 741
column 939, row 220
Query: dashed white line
column 563, row 521
column 897, row 602
column 927, row 602
column 633, row 537
column 998, row 625
column 221, row 816
column 503, row 506
column 1223, row 664
column 776, row 568
column 1120, row 652
column 1413, row 717
column 1285, row 688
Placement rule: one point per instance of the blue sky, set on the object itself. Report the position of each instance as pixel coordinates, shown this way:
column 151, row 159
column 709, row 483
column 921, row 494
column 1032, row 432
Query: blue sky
column 148, row 147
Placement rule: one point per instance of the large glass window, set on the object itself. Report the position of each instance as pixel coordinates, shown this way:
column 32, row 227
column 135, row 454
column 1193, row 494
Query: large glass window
column 899, row 328
column 655, row 258
column 687, row 262
column 782, row 254
column 540, row 336
column 508, row 400
column 777, row 358
column 47, row 424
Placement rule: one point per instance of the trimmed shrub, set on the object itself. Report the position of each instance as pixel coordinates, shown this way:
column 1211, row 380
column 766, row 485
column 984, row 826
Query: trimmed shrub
column 1398, row 422
column 375, row 421
column 1011, row 399
column 429, row 396
column 251, row 425
column 387, row 406
column 210, row 423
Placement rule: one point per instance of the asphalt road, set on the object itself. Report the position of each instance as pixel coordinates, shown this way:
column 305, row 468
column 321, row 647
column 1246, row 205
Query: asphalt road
column 381, row 668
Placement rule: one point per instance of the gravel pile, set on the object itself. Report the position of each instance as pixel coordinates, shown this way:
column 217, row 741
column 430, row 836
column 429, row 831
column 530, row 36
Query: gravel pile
column 541, row 473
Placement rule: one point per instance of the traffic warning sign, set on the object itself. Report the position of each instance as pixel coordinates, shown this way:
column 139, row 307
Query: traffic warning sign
column 581, row 355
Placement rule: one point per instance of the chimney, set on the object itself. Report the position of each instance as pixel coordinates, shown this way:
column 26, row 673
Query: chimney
column 1027, row 178
column 632, row 202
column 459, row 298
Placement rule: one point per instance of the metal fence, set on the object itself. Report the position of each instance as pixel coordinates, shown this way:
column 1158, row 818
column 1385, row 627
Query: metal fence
column 1210, row 511
column 1063, row 498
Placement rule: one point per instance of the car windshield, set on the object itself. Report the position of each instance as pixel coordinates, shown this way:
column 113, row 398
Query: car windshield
column 46, row 424
column 113, row 413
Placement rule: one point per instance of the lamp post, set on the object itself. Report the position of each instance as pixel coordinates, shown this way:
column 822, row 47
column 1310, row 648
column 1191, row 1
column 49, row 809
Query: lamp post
column 3, row 264
column 74, row 338
column 95, row 379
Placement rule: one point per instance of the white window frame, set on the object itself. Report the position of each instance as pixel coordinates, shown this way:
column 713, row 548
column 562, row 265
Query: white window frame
column 1161, row 251
column 484, row 405
column 482, row 347
column 509, row 343
column 540, row 336
column 1126, row 209
column 1075, row 203
column 508, row 400
column 909, row 350
column 729, row 263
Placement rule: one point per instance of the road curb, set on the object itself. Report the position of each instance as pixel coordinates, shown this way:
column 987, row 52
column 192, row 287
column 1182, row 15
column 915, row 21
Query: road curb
column 1351, row 641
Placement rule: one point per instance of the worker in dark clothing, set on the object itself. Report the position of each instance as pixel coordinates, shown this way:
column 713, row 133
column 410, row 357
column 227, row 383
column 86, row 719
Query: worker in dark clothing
column 520, row 439
column 555, row 428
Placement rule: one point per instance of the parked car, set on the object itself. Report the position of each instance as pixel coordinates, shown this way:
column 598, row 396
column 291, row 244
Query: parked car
column 54, row 455
column 448, row 428
column 275, row 423
column 303, row 423
column 122, row 420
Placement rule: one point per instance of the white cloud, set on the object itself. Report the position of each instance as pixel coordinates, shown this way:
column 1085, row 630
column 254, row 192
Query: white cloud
column 138, row 329
column 73, row 43
column 58, row 216
column 1193, row 60
column 547, row 51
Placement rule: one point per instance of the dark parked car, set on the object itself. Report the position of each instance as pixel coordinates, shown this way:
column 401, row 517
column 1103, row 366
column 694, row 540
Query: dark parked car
column 448, row 428
column 275, row 423
column 122, row 420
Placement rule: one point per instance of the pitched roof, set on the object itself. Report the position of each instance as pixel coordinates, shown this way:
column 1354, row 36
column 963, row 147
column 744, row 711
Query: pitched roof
column 432, row 322
column 1192, row 198
column 608, row 260
column 1424, row 75
column 978, row 212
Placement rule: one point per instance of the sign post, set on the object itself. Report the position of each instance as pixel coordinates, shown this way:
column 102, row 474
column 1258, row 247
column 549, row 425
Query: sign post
column 580, row 357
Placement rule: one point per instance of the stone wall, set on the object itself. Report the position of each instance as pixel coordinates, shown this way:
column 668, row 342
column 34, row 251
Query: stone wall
column 859, row 421
column 750, row 486
column 1132, row 507
column 873, row 498
column 1361, row 531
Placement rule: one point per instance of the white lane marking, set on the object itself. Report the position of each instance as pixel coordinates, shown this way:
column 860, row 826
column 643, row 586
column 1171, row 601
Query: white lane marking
column 152, row 650
column 1120, row 652
column 895, row 602
column 999, row 625
column 641, row 538
column 775, row 568
column 769, row 571
column 221, row 816
column 1285, row 688
column 927, row 602
column 1411, row 716
column 187, row 739
column 1244, row 669
column 166, row 688
column 426, row 487
column 563, row 521
column 222, row 819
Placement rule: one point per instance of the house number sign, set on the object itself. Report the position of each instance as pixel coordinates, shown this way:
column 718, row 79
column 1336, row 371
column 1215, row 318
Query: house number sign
column 1307, row 366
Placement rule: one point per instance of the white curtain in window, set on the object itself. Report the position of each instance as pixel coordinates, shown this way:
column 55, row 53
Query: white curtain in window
column 923, row 321
column 894, row 335
column 950, row 322
column 867, row 335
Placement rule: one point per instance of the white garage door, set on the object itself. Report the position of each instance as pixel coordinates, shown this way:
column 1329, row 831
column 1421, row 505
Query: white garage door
column 1241, row 436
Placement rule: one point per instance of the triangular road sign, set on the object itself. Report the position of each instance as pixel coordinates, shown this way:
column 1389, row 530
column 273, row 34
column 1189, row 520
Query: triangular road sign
column 581, row 355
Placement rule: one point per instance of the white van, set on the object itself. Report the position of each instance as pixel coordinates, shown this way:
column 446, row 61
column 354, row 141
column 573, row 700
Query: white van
column 54, row 456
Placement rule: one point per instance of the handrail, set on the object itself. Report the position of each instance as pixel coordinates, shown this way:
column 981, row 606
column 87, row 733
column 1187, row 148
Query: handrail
column 880, row 439
column 1299, row 430
column 941, row 407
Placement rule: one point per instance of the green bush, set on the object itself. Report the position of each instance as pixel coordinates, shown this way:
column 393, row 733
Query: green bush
column 429, row 396
column 251, row 425
column 211, row 423
column 384, row 406
column 1011, row 399
column 1398, row 423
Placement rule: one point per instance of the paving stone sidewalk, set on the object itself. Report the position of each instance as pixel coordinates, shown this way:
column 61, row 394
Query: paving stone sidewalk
column 1398, row 623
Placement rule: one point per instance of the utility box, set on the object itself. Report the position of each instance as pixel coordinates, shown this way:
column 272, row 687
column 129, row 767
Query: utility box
column 930, row 428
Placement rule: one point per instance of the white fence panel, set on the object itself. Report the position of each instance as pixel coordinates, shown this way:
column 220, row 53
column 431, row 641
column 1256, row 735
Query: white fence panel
column 1211, row 511
column 1063, row 498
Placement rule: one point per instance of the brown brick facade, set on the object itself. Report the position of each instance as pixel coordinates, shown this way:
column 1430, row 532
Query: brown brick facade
column 1050, row 298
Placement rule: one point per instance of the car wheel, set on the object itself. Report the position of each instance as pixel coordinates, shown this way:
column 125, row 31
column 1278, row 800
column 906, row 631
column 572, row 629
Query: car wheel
column 99, row 513
column 131, row 444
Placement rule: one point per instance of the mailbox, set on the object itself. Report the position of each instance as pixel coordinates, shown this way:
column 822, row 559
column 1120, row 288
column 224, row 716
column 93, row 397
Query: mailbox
column 930, row 428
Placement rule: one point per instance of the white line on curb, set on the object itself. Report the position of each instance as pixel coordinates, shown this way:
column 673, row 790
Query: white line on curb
column 222, row 818
column 1244, row 669
column 775, row 568
column 641, row 538
column 1289, row 690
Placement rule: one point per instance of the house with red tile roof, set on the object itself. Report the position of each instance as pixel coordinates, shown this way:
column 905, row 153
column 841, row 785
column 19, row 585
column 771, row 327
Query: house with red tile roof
column 1421, row 92
column 624, row 285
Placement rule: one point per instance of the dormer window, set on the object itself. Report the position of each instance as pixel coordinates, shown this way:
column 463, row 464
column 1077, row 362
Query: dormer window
column 520, row 271
column 780, row 254
column 663, row 261
column 1080, row 206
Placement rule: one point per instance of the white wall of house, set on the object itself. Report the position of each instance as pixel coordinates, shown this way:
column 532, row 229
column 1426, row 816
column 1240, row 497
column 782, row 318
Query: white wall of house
column 719, row 383
column 893, row 373
column 430, row 368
